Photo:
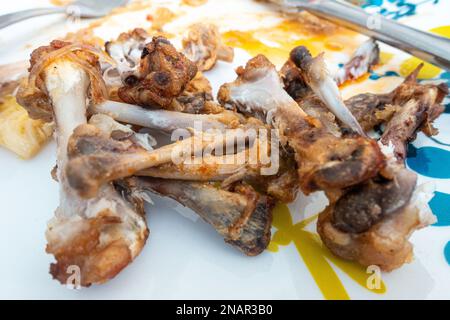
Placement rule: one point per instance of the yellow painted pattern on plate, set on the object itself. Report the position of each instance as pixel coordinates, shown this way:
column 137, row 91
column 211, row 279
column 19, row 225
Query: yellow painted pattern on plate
column 428, row 71
column 316, row 257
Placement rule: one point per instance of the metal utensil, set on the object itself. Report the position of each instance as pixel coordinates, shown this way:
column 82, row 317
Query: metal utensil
column 424, row 45
column 80, row 8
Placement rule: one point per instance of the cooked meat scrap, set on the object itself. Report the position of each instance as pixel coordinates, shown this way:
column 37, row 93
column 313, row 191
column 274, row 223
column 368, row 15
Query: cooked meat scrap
column 197, row 97
column 163, row 75
column 372, row 110
column 33, row 96
column 430, row 97
column 294, row 84
column 402, row 128
column 203, row 45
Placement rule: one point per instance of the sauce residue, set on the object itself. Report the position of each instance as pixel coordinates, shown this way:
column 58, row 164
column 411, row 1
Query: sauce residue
column 316, row 256
column 276, row 42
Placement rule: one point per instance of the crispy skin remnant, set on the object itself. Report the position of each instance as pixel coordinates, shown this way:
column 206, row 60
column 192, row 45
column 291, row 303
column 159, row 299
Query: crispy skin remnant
column 96, row 238
column 163, row 75
column 203, row 45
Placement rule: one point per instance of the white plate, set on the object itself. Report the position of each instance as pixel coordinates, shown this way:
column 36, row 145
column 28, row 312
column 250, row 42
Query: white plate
column 184, row 257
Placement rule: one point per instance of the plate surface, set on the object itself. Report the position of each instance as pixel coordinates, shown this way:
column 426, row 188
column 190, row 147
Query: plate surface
column 184, row 258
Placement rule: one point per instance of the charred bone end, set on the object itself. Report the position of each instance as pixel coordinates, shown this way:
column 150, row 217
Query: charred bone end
column 242, row 217
column 301, row 57
column 357, row 160
column 366, row 205
column 259, row 223
column 371, row 225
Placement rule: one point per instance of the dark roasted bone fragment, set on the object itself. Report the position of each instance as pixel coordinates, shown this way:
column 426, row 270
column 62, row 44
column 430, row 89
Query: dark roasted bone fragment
column 243, row 217
column 366, row 205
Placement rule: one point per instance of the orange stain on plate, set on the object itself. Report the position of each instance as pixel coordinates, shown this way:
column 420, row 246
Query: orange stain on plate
column 276, row 42
column 61, row 2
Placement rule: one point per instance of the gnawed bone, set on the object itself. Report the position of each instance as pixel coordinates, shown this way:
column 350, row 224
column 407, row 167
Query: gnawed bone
column 410, row 117
column 166, row 120
column 213, row 167
column 227, row 170
column 243, row 217
column 315, row 73
column 324, row 160
column 94, row 238
column 98, row 157
column 210, row 168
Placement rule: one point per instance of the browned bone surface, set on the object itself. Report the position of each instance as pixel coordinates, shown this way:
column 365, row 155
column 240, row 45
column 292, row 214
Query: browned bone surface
column 242, row 216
